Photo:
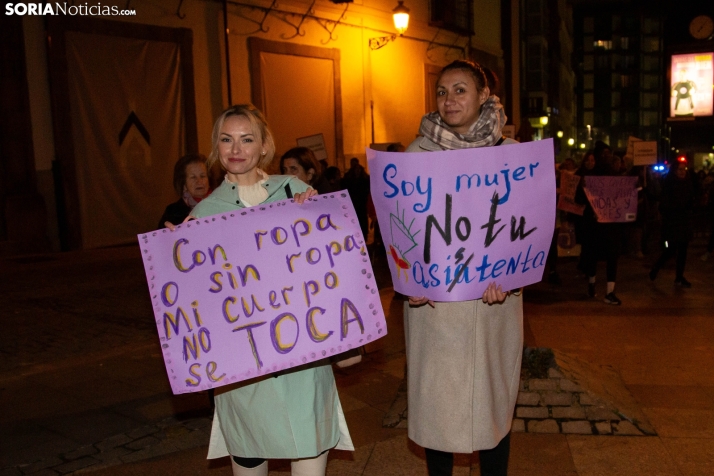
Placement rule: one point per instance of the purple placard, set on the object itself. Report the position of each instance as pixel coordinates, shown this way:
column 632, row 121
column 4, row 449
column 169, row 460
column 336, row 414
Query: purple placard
column 243, row 294
column 447, row 234
column 614, row 199
column 568, row 184
column 566, row 198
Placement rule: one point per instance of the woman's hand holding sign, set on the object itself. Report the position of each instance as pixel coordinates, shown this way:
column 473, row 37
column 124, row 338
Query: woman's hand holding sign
column 301, row 197
column 493, row 294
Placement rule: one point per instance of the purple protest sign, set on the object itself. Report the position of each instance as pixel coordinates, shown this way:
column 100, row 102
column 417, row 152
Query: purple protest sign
column 566, row 199
column 248, row 293
column 454, row 221
column 614, row 199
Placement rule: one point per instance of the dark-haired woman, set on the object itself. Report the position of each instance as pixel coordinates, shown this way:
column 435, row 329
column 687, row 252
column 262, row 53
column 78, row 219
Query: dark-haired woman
column 301, row 163
column 192, row 186
column 463, row 358
column 601, row 241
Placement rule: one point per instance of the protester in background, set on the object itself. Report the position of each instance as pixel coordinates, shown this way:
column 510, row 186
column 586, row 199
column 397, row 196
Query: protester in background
column 708, row 187
column 191, row 184
column 461, row 356
column 333, row 179
column 581, row 226
column 356, row 181
column 568, row 165
column 636, row 231
column 676, row 206
column 301, row 163
column 616, row 166
column 323, row 166
column 294, row 414
column 603, row 158
column 601, row 241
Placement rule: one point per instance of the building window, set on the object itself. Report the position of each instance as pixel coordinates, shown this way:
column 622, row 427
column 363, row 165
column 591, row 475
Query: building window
column 651, row 63
column 650, row 118
column 588, row 62
column 602, row 61
column 651, row 26
column 650, row 45
column 631, row 118
column 649, row 100
column 625, row 43
column 615, row 22
column 615, row 101
column 588, row 100
column 615, row 118
column 588, row 25
column 588, row 117
column 453, row 15
column 588, row 81
column 603, row 44
column 615, row 80
column 651, row 81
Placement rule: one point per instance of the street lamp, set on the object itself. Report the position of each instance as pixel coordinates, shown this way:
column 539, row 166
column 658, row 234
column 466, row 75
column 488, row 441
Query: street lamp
column 400, row 15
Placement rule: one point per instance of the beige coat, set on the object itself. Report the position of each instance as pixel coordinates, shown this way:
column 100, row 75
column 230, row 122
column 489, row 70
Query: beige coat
column 463, row 363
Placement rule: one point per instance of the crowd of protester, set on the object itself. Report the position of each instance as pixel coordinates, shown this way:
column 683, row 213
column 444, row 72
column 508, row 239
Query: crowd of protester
column 673, row 206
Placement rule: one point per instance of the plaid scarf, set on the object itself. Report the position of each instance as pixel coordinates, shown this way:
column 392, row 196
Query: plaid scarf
column 486, row 131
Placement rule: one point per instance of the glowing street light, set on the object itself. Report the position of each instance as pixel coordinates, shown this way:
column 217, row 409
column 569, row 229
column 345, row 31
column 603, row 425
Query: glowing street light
column 401, row 18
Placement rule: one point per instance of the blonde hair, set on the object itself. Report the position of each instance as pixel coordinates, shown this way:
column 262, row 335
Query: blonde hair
column 260, row 130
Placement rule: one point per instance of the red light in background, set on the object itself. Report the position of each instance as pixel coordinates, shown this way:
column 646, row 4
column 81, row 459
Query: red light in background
column 682, row 158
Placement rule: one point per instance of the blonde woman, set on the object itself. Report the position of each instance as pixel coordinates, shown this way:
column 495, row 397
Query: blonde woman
column 294, row 414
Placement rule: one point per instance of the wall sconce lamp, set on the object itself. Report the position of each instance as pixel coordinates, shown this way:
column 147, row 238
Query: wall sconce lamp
column 571, row 142
column 559, row 134
column 544, row 120
column 400, row 14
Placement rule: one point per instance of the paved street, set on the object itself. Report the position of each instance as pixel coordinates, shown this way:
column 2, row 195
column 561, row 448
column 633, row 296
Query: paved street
column 83, row 386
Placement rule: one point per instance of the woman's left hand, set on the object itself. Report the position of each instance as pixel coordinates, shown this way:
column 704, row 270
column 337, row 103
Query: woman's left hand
column 494, row 294
column 302, row 196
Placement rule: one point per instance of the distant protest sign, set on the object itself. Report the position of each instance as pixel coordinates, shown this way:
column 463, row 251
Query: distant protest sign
column 455, row 221
column 568, row 186
column 260, row 290
column 645, row 152
column 614, row 199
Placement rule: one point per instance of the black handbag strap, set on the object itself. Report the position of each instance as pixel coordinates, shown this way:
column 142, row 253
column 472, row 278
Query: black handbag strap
column 288, row 192
column 500, row 141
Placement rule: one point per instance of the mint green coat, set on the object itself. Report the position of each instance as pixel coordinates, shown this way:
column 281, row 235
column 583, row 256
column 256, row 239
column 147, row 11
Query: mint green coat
column 294, row 415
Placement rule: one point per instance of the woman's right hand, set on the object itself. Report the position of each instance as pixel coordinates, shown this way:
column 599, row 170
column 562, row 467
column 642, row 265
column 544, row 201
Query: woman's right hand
column 494, row 294
column 420, row 301
column 172, row 227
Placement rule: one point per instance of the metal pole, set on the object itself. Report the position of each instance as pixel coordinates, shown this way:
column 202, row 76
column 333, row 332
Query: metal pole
column 371, row 109
column 228, row 56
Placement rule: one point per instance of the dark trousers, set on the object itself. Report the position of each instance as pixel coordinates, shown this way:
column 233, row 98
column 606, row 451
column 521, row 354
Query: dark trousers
column 678, row 247
column 494, row 462
column 602, row 242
